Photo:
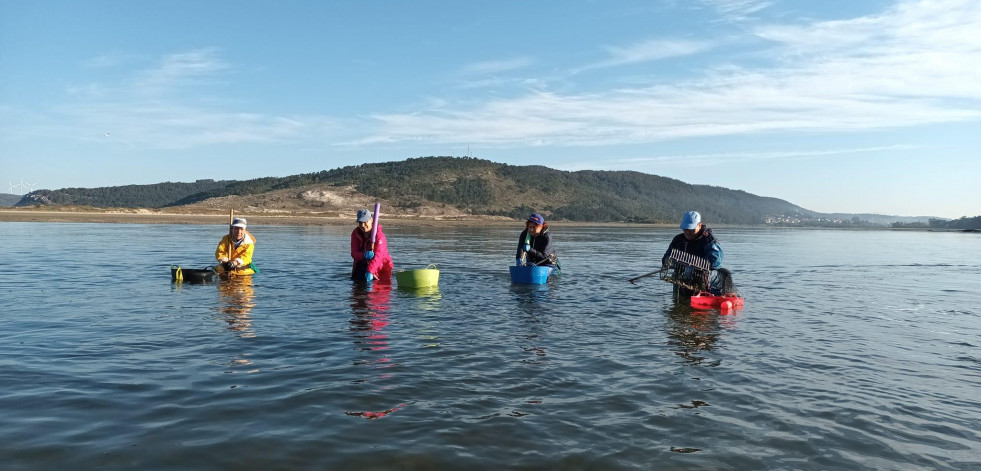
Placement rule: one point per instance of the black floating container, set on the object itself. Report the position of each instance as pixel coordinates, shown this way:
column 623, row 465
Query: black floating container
column 191, row 275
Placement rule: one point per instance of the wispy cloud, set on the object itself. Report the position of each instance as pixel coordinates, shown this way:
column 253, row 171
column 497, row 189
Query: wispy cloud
column 149, row 110
column 647, row 51
column 496, row 67
column 113, row 59
column 738, row 9
column 914, row 64
column 180, row 69
column 724, row 158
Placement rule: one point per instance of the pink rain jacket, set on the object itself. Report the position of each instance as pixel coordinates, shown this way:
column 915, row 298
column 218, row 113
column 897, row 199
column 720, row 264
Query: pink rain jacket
column 361, row 242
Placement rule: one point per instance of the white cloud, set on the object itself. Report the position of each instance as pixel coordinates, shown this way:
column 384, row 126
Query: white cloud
column 918, row 63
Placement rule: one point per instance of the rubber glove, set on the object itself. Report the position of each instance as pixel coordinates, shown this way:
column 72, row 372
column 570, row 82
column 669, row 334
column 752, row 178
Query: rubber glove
column 222, row 259
column 369, row 254
column 527, row 247
column 368, row 277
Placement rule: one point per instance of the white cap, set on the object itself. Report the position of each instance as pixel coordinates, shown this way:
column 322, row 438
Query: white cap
column 238, row 222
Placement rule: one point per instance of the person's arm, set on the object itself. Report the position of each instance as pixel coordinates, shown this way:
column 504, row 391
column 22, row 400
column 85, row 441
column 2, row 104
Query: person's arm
column 667, row 253
column 244, row 257
column 356, row 244
column 222, row 254
column 715, row 255
column 545, row 253
column 521, row 243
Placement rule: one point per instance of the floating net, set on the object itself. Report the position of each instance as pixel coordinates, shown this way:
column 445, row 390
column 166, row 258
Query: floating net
column 695, row 273
column 687, row 271
column 722, row 283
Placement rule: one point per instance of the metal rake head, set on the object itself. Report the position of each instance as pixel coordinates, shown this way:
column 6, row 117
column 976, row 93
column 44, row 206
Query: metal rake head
column 687, row 270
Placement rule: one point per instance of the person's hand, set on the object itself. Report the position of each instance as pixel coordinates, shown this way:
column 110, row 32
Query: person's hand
column 369, row 254
column 223, row 260
column 368, row 277
column 227, row 265
column 236, row 263
column 517, row 262
column 527, row 247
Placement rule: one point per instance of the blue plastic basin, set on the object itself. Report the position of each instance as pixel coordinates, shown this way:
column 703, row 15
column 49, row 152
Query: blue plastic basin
column 530, row 275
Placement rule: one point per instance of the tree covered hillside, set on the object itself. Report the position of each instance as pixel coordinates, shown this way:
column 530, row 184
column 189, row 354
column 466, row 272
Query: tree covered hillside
column 475, row 186
column 483, row 187
column 129, row 196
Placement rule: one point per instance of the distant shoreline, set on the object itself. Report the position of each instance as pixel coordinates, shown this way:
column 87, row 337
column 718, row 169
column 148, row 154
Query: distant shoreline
column 146, row 216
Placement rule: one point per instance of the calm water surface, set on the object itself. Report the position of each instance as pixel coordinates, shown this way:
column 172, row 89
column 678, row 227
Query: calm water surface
column 855, row 350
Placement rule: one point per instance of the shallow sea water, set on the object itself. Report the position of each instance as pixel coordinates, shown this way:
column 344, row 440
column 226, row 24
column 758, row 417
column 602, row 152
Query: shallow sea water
column 855, row 350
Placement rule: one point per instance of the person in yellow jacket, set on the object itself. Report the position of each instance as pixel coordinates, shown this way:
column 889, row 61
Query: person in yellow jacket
column 234, row 252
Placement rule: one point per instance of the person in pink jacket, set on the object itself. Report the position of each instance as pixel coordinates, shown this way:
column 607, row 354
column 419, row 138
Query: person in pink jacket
column 370, row 264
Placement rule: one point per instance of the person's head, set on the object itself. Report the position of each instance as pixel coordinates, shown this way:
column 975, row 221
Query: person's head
column 535, row 224
column 691, row 224
column 364, row 220
column 238, row 228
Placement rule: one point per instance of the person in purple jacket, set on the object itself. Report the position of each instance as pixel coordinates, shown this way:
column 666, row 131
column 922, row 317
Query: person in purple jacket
column 535, row 244
column 370, row 263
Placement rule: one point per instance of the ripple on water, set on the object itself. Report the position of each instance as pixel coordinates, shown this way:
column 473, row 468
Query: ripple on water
column 835, row 362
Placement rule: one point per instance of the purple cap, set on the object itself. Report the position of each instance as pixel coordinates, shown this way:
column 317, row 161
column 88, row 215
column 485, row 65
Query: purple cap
column 536, row 218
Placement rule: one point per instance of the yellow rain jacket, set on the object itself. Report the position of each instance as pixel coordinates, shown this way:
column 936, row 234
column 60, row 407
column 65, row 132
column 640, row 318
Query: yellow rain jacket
column 241, row 256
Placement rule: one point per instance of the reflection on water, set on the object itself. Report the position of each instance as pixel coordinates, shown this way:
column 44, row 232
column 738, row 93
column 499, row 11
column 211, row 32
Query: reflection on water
column 425, row 293
column 529, row 295
column 427, row 301
column 694, row 332
column 842, row 359
column 369, row 307
column 531, row 299
column 370, row 317
column 235, row 303
column 236, row 297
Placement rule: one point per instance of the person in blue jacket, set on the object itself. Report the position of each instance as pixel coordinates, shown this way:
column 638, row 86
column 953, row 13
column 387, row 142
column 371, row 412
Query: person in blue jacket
column 697, row 239
column 535, row 244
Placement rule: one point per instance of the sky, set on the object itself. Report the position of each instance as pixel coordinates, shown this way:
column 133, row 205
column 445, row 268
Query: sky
column 836, row 106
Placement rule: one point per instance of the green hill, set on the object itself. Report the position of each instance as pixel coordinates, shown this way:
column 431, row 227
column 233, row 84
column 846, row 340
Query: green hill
column 478, row 187
column 129, row 196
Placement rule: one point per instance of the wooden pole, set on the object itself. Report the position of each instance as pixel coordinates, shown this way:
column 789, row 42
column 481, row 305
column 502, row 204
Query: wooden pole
column 231, row 240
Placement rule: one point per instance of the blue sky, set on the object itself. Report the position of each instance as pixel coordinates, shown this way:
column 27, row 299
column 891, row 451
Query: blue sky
column 861, row 107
